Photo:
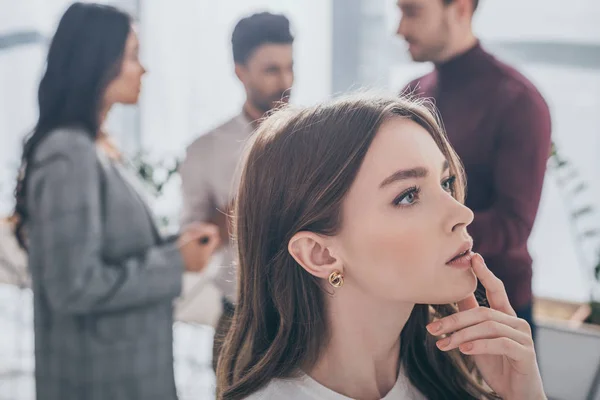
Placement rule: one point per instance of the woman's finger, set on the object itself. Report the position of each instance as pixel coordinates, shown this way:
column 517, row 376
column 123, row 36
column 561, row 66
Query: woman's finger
column 464, row 319
column 499, row 347
column 484, row 330
column 494, row 288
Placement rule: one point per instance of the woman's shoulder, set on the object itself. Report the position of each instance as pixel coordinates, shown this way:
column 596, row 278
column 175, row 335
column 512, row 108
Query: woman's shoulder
column 73, row 142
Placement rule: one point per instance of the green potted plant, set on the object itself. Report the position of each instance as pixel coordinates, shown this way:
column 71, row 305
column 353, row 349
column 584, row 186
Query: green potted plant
column 156, row 173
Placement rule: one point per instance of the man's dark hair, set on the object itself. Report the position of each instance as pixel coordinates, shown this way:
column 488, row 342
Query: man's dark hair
column 475, row 3
column 256, row 30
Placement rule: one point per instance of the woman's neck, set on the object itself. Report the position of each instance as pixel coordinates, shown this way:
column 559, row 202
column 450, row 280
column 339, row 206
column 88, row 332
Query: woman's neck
column 104, row 114
column 361, row 358
column 108, row 146
column 103, row 139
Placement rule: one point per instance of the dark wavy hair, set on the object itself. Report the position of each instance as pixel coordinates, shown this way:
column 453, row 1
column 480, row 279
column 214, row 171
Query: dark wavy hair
column 256, row 30
column 84, row 57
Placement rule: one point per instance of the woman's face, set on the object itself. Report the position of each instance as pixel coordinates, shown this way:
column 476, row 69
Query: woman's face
column 401, row 224
column 125, row 87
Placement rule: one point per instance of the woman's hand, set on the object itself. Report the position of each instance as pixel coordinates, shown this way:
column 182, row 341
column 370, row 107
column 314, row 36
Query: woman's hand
column 500, row 343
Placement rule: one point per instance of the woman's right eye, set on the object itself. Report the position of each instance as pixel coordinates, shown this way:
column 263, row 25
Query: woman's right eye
column 408, row 198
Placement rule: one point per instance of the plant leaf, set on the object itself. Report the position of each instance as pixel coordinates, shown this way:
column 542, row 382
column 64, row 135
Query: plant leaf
column 590, row 233
column 582, row 211
column 579, row 188
column 571, row 176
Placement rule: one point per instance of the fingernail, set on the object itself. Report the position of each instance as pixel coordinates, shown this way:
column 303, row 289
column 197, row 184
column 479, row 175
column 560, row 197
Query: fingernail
column 443, row 343
column 434, row 327
column 466, row 347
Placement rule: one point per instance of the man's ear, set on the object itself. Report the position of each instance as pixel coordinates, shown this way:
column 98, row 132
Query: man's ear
column 241, row 72
column 464, row 8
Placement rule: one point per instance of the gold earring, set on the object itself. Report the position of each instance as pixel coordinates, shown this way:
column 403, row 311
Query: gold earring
column 336, row 279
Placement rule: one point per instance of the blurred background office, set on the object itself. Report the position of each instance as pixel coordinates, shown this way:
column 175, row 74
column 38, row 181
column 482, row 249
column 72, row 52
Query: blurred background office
column 339, row 45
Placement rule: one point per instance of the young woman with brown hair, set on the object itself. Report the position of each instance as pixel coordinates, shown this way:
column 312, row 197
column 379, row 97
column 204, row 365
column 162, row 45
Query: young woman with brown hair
column 356, row 275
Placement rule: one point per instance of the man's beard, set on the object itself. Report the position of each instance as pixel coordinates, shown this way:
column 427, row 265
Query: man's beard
column 266, row 105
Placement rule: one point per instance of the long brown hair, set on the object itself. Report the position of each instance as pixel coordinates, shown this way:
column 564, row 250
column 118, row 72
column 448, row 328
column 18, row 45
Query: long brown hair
column 299, row 167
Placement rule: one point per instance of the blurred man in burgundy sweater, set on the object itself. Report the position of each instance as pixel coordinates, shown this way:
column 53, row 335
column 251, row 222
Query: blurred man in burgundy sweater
column 499, row 125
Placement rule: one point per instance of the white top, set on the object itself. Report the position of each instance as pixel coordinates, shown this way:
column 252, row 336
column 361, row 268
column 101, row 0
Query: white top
column 306, row 388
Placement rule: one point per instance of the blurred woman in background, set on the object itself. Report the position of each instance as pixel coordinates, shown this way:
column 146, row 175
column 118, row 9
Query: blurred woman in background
column 104, row 279
column 353, row 251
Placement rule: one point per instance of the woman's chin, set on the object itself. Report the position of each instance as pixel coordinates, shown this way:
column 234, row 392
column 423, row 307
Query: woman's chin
column 131, row 98
column 468, row 286
column 459, row 289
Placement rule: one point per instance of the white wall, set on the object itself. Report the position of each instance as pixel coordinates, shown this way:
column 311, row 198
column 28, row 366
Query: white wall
column 544, row 20
column 20, row 69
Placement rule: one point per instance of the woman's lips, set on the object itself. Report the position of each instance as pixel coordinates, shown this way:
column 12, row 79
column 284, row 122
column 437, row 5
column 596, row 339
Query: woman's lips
column 462, row 261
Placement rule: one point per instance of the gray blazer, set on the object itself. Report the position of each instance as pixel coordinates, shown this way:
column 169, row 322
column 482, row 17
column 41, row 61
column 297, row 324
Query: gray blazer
column 103, row 280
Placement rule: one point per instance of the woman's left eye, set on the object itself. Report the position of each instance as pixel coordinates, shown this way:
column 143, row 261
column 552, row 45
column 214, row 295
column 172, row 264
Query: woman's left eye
column 448, row 184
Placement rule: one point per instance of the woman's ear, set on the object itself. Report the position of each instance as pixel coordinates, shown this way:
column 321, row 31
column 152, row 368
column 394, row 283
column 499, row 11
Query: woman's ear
column 311, row 251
